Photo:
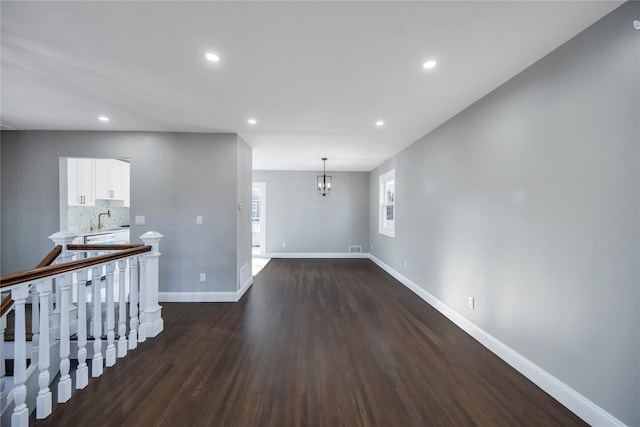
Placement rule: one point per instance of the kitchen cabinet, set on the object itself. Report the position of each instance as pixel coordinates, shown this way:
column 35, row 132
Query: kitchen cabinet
column 126, row 183
column 110, row 179
column 80, row 182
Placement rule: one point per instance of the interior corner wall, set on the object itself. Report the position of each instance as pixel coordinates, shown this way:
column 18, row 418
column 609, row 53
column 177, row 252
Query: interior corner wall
column 309, row 223
column 528, row 201
column 243, row 234
column 174, row 177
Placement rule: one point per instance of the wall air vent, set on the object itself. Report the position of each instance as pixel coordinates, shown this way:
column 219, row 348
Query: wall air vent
column 355, row 249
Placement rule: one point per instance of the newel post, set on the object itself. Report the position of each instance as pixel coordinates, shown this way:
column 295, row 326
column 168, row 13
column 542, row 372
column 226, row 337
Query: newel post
column 150, row 317
column 63, row 238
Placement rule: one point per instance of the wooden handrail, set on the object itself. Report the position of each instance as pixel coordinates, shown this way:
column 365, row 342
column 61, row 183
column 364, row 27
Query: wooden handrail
column 97, row 247
column 39, row 273
column 51, row 256
column 5, row 305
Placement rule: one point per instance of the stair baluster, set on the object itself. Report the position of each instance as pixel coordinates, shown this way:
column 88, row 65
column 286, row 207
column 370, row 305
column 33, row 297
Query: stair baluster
column 110, row 354
column 122, row 309
column 133, row 303
column 43, row 401
column 82, row 373
column 64, row 384
column 20, row 416
column 35, row 323
column 96, row 362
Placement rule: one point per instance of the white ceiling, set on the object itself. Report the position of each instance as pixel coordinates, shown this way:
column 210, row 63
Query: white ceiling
column 315, row 75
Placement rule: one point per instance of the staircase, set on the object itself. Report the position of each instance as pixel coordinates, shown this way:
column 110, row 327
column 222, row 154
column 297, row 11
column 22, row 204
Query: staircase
column 76, row 293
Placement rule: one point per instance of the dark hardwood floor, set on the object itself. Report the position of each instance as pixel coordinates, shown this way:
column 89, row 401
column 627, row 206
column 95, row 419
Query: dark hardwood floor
column 313, row 342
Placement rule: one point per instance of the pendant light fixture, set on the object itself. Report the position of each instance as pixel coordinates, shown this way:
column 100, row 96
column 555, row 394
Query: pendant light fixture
column 324, row 180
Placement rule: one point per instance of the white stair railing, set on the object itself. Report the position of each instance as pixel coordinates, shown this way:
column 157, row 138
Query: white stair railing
column 137, row 282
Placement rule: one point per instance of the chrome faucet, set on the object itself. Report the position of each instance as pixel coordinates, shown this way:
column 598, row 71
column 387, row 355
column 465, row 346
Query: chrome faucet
column 107, row 213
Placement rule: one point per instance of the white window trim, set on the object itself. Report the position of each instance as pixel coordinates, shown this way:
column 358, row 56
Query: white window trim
column 382, row 229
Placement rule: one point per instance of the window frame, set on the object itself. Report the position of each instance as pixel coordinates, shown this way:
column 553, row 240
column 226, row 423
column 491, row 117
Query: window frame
column 387, row 227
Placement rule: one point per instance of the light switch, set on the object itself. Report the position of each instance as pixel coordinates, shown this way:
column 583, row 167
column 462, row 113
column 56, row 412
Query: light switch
column 139, row 219
column 199, row 220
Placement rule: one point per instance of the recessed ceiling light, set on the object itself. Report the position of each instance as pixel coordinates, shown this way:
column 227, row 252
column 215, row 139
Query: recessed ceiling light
column 212, row 57
column 429, row 64
column 379, row 123
column 252, row 121
column 103, row 118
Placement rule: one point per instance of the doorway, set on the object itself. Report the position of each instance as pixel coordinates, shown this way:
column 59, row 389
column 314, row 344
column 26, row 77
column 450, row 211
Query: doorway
column 259, row 226
column 258, row 219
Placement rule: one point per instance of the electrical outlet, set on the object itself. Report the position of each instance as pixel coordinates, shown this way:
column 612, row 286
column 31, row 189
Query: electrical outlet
column 203, row 277
column 471, row 303
column 199, row 220
column 372, row 247
column 284, row 244
column 405, row 265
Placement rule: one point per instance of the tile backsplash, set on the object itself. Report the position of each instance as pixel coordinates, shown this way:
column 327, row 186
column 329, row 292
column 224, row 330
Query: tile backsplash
column 80, row 219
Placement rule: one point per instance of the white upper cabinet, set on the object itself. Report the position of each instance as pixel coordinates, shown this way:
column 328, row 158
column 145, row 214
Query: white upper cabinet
column 126, row 182
column 110, row 179
column 80, row 182
column 116, row 189
column 102, row 178
column 89, row 180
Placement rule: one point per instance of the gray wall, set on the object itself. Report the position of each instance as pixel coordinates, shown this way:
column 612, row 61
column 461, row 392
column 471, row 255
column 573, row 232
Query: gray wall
column 309, row 222
column 174, row 177
column 529, row 201
column 243, row 235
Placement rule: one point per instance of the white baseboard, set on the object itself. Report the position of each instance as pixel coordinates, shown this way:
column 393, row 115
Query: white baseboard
column 316, row 255
column 576, row 402
column 204, row 296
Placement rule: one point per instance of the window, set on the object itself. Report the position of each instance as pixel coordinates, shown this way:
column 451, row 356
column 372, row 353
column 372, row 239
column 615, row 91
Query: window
column 387, row 214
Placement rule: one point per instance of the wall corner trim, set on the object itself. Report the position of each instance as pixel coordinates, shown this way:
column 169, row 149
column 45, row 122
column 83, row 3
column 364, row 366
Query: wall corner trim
column 573, row 400
column 244, row 287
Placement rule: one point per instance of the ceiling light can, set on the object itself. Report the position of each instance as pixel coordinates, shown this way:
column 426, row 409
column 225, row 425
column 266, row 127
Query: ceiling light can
column 429, row 64
column 212, row 57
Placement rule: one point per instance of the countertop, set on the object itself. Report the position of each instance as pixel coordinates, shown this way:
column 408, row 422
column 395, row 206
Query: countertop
column 102, row 231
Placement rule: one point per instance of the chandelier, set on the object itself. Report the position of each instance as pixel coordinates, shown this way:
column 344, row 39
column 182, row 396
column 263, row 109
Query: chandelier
column 324, row 180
